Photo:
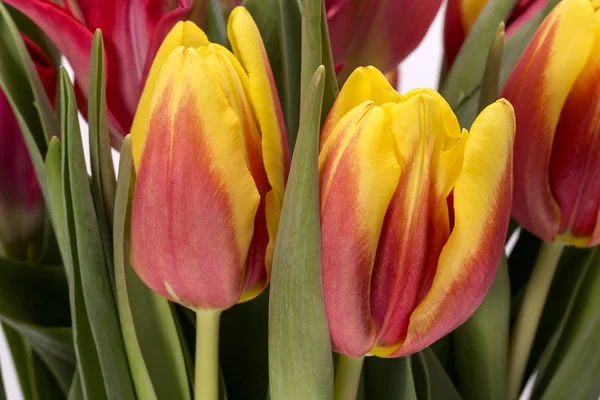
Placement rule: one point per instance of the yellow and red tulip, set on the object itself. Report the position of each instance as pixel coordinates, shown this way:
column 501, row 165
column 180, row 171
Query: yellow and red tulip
column 462, row 14
column 210, row 150
column 132, row 31
column 21, row 202
column 555, row 89
column 414, row 214
column 379, row 33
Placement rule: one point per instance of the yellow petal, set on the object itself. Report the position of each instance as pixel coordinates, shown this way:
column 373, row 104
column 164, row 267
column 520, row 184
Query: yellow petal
column 364, row 84
column 184, row 34
column 195, row 200
column 249, row 49
column 469, row 259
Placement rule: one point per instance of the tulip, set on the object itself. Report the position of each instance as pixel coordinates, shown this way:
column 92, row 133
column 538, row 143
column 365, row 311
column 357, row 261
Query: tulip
column 21, row 202
column 379, row 33
column 555, row 89
column 414, row 214
column 132, row 30
column 210, row 150
column 462, row 14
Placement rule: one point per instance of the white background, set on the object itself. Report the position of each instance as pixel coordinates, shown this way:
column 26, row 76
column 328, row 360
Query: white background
column 420, row 69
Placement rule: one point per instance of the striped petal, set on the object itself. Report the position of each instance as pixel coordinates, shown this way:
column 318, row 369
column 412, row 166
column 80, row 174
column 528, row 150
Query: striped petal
column 364, row 84
column 538, row 88
column 184, row 34
column 249, row 50
column 195, row 199
column 575, row 165
column 469, row 259
column 417, row 223
column 357, row 175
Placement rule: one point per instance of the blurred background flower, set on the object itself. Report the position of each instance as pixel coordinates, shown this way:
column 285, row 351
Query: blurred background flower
column 555, row 89
column 21, row 202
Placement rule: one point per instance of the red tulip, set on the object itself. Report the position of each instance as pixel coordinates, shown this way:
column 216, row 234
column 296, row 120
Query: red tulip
column 462, row 14
column 21, row 202
column 379, row 33
column 132, row 32
column 555, row 89
column 414, row 212
column 211, row 154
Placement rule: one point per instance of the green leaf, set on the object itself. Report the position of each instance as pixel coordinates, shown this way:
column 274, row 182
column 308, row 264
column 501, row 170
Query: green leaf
column 103, row 183
column 216, row 29
column 571, row 271
column 312, row 43
column 33, row 294
column 421, row 376
column 491, row 75
column 89, row 261
column 481, row 343
column 61, row 369
column 331, row 83
column 36, row 381
column 300, row 364
column 17, row 67
column 76, row 392
column 279, row 23
column 389, row 379
column 151, row 340
column 60, row 207
column 20, row 352
column 53, row 340
column 571, row 367
column 465, row 73
column 244, row 358
column 440, row 384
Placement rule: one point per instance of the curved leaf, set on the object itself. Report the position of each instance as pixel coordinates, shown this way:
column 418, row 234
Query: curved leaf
column 300, row 364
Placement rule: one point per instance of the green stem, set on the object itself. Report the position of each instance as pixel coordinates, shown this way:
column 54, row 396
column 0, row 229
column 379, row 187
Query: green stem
column 530, row 314
column 207, row 355
column 347, row 378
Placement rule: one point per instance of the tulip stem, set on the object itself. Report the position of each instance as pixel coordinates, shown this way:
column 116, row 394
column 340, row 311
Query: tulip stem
column 530, row 313
column 347, row 377
column 207, row 355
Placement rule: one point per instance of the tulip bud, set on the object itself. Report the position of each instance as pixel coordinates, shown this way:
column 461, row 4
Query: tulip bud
column 21, row 202
column 210, row 150
column 462, row 14
column 555, row 89
column 413, row 211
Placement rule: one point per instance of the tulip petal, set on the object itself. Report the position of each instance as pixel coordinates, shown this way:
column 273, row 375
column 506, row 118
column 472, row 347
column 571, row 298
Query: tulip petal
column 538, row 88
column 366, row 34
column 575, row 165
column 358, row 176
column 249, row 49
column 460, row 17
column 364, row 84
column 184, row 34
column 417, row 223
column 469, row 259
column 232, row 78
column 195, row 201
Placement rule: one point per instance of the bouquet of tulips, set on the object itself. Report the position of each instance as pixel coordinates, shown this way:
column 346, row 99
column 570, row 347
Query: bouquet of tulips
column 282, row 222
